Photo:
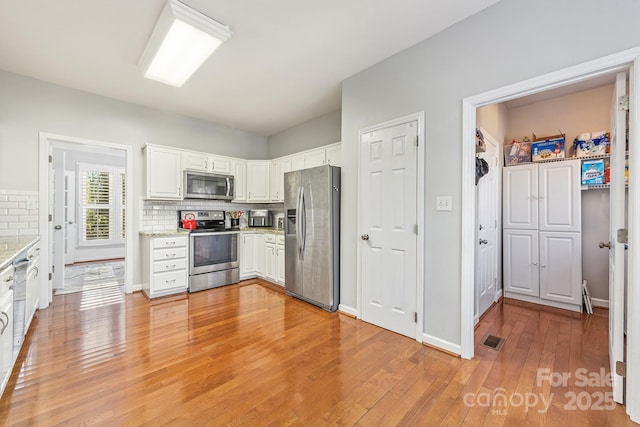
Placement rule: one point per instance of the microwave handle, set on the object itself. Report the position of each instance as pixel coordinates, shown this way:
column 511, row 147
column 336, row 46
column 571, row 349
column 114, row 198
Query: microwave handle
column 228, row 187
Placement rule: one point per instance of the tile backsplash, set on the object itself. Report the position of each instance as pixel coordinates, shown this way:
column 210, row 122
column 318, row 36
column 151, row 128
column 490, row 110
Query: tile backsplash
column 18, row 213
column 157, row 215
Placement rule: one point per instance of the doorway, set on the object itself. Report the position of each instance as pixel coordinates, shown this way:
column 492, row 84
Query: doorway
column 84, row 212
column 390, row 265
column 625, row 61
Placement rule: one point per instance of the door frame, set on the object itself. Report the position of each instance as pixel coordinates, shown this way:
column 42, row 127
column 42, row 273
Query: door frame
column 625, row 60
column 45, row 143
column 418, row 117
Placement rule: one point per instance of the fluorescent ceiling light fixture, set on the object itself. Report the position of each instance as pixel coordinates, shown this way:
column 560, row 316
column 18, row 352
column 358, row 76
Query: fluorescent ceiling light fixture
column 180, row 43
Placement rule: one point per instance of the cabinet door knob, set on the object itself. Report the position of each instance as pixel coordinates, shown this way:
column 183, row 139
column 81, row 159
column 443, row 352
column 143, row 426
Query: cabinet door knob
column 483, row 241
column 604, row 245
column 365, row 237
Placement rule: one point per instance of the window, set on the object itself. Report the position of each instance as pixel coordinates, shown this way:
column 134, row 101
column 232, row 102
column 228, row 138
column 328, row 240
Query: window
column 102, row 195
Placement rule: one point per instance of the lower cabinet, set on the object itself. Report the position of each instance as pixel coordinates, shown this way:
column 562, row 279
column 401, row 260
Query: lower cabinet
column 6, row 325
column 33, row 279
column 262, row 255
column 543, row 267
column 164, row 265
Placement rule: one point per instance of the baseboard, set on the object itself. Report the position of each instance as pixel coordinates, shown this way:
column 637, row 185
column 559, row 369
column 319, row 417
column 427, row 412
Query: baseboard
column 446, row 346
column 348, row 310
column 498, row 296
column 137, row 288
column 597, row 302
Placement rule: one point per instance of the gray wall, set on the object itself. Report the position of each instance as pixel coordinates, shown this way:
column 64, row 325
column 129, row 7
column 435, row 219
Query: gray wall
column 313, row 133
column 512, row 41
column 31, row 106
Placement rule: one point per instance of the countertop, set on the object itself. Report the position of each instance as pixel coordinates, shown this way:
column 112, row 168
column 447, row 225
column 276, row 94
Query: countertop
column 164, row 233
column 10, row 246
column 270, row 230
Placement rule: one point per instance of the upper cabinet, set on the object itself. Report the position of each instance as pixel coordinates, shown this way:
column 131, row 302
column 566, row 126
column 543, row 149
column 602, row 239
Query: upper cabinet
column 207, row 163
column 314, row 158
column 333, row 154
column 258, row 178
column 240, row 180
column 543, row 196
column 163, row 173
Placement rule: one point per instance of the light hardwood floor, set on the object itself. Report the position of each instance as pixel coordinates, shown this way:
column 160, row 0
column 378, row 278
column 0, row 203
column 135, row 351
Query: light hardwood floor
column 248, row 355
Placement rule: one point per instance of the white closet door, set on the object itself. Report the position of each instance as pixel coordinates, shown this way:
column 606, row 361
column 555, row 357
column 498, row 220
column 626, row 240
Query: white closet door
column 519, row 195
column 561, row 267
column 520, row 255
column 559, row 196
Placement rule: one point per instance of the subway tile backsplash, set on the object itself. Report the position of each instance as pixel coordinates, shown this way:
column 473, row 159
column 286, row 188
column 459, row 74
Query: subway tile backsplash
column 18, row 213
column 157, row 215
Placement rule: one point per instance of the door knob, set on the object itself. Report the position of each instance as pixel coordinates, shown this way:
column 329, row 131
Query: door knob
column 365, row 237
column 58, row 227
column 603, row 244
column 483, row 241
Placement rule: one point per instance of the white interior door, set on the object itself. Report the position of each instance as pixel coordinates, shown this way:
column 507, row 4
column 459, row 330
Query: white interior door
column 57, row 224
column 70, row 230
column 388, row 226
column 488, row 236
column 616, row 251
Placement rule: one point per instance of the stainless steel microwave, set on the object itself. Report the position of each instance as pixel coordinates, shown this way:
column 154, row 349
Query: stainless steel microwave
column 203, row 185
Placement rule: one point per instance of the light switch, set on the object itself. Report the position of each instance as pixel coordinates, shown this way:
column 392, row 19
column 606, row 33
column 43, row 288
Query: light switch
column 443, row 203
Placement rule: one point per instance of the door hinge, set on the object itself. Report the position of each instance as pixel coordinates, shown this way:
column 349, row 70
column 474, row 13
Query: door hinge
column 415, row 317
column 623, row 235
column 53, row 268
column 621, row 369
column 415, row 228
column 623, row 103
column 50, row 158
column 50, row 217
column 50, row 276
column 417, row 140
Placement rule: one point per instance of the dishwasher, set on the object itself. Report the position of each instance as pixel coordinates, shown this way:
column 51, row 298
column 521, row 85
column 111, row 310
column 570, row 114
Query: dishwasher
column 21, row 264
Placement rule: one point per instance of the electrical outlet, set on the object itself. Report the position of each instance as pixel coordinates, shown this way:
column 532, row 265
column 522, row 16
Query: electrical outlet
column 443, row 203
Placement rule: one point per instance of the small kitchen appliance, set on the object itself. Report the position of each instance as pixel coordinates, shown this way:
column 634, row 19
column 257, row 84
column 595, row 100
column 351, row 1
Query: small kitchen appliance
column 260, row 218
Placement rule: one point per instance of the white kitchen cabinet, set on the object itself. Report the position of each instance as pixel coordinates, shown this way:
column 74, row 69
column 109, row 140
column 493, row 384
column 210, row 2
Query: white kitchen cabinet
column 258, row 178
column 542, row 259
column 261, row 254
column 240, row 181
column 314, row 158
column 195, row 161
column 280, row 260
column 275, row 178
column 163, row 173
column 561, row 267
column 248, row 255
column 220, row 164
column 543, row 196
column 32, row 290
column 521, row 267
column 164, row 265
column 333, row 154
column 270, row 258
column 297, row 162
column 6, row 325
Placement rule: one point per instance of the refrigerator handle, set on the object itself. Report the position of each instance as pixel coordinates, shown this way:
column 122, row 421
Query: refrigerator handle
column 303, row 224
column 298, row 230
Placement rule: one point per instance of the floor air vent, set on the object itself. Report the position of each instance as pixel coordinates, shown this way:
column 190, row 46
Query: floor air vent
column 493, row 342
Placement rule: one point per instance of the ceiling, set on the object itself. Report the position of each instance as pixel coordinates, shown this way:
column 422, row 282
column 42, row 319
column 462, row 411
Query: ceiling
column 283, row 65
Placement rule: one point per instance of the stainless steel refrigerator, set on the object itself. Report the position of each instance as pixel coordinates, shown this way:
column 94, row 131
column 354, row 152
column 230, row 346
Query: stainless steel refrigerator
column 312, row 235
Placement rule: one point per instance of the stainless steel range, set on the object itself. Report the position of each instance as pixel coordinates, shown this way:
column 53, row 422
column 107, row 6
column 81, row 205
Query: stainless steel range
column 213, row 250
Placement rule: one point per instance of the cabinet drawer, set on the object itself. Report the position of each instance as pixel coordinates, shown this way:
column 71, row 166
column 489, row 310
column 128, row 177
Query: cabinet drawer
column 169, row 242
column 170, row 280
column 6, row 280
column 270, row 238
column 34, row 251
column 165, row 254
column 280, row 240
column 170, row 265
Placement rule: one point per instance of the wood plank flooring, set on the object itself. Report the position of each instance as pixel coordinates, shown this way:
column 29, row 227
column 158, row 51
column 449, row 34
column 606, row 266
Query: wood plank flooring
column 248, row 355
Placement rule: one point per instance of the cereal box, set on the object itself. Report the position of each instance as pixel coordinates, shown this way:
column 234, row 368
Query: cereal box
column 548, row 149
column 593, row 172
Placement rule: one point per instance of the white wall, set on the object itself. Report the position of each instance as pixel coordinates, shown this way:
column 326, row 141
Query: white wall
column 313, row 133
column 509, row 42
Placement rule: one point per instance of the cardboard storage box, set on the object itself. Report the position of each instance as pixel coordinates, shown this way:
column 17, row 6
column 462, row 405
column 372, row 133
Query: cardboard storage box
column 516, row 153
column 548, row 149
column 592, row 172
